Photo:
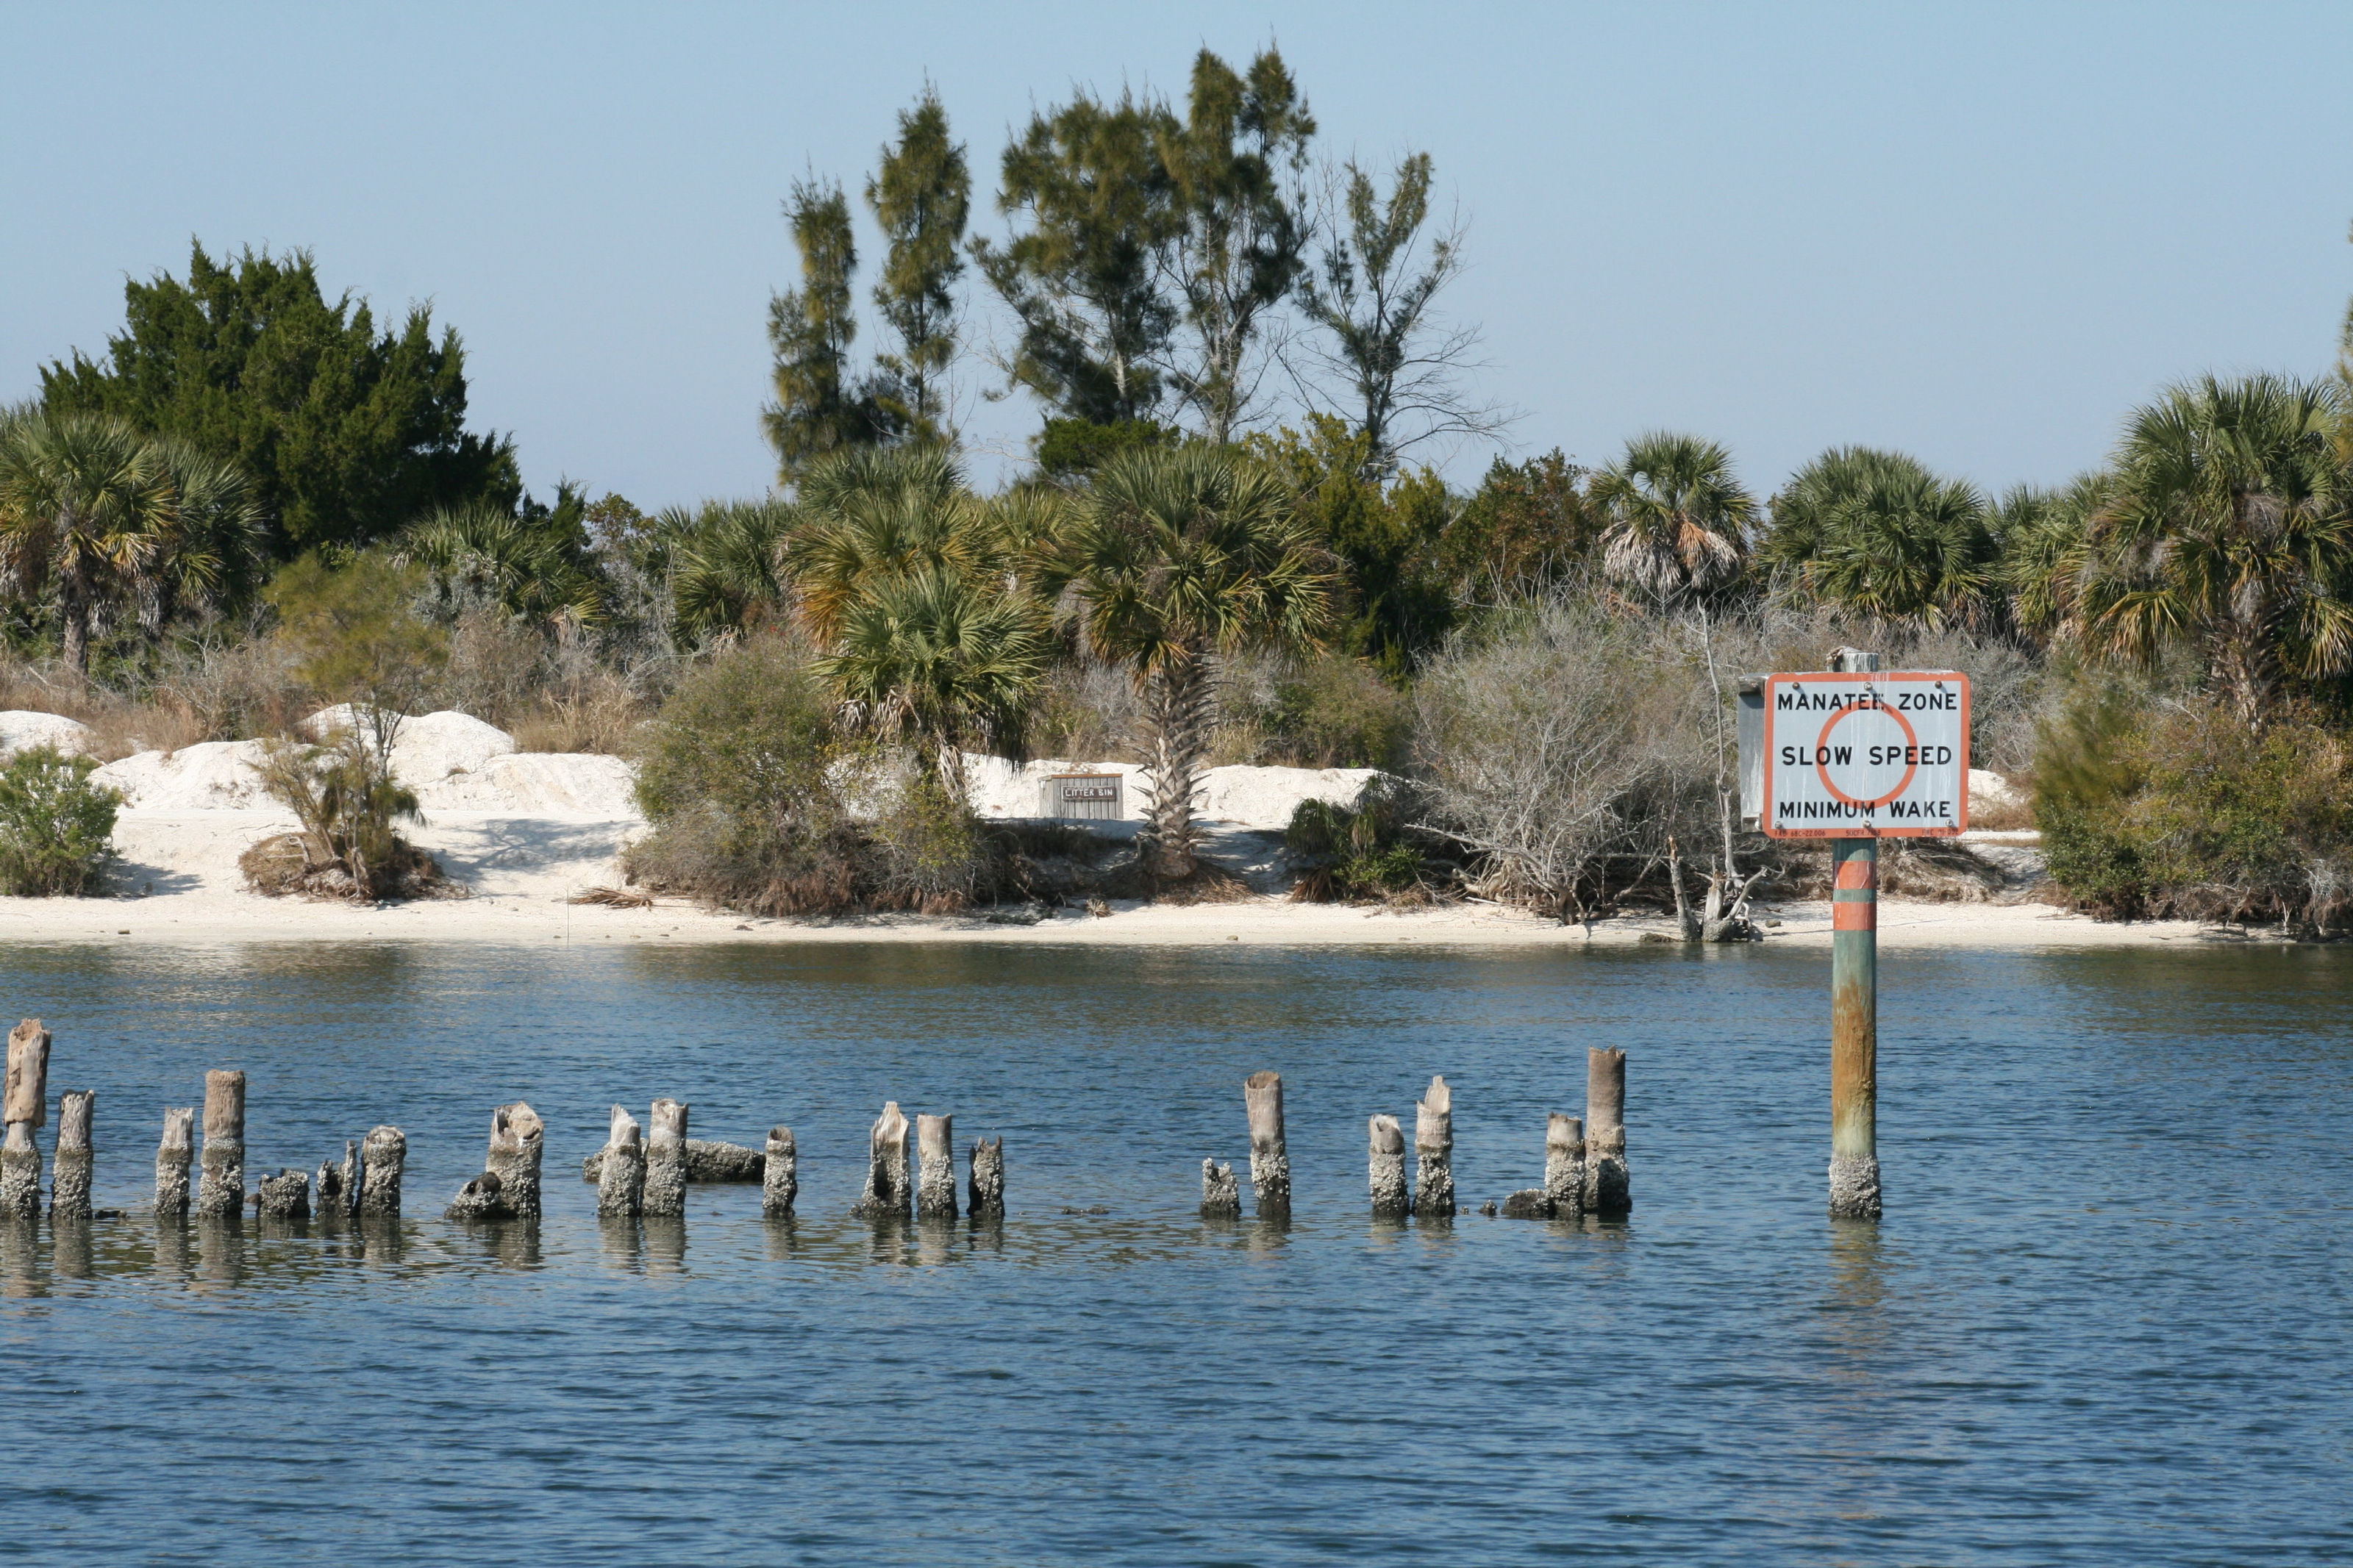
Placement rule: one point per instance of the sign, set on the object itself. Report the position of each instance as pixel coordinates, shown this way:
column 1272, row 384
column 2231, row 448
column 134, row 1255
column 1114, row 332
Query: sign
column 1872, row 755
column 1085, row 796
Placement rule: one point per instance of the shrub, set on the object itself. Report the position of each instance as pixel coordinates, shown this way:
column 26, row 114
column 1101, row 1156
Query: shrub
column 57, row 828
column 1367, row 851
column 345, row 798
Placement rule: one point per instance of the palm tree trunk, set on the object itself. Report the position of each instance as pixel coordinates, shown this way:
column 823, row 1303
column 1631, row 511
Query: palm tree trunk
column 1177, row 720
column 77, row 635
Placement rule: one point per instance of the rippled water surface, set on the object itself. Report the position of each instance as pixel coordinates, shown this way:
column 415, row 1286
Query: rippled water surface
column 2106, row 1318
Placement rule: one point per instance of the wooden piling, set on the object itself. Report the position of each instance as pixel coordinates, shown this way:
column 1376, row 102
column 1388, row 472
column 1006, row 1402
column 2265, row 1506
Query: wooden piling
column 780, row 1180
column 935, row 1193
column 665, row 1191
column 220, row 1189
column 339, row 1185
column 1269, row 1155
column 24, row 1108
column 984, row 1194
column 1433, row 1147
column 286, row 1195
column 1221, row 1195
column 621, row 1178
column 1565, row 1165
column 1854, row 1029
column 1392, row 1199
column 383, row 1155
column 887, row 1187
column 70, row 1168
column 173, row 1155
column 518, row 1140
column 1608, row 1192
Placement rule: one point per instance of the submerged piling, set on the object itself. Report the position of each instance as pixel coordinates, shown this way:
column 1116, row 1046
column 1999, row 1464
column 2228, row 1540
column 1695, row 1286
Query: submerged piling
column 985, row 1194
column 1221, row 1195
column 286, row 1195
column 518, row 1140
column 220, row 1190
column 780, row 1179
column 339, row 1185
column 1608, row 1192
column 935, row 1193
column 1433, row 1147
column 1565, row 1166
column 1392, row 1199
column 1269, row 1155
column 886, row 1193
column 665, row 1189
column 383, row 1156
column 621, row 1179
column 23, row 1107
column 69, row 1167
column 172, row 1156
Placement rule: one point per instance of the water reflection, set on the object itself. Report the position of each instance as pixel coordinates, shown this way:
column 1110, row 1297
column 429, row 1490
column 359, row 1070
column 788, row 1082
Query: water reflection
column 69, row 1241
column 618, row 1245
column 781, row 1233
column 20, row 1262
column 220, row 1252
column 171, row 1259
column 665, row 1244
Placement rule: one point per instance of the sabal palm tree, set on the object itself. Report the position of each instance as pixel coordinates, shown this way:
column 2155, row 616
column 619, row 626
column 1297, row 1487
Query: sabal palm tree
column 2230, row 527
column 1877, row 533
column 721, row 562
column 874, row 516
column 105, row 519
column 1677, row 520
column 1179, row 557
column 2042, row 545
column 492, row 552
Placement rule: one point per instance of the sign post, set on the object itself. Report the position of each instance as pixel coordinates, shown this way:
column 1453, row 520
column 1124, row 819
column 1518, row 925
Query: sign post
column 1856, row 755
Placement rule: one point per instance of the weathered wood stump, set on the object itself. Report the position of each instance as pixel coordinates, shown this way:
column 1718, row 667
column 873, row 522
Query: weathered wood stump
column 665, row 1194
column 1433, row 1149
column 220, row 1189
column 780, row 1177
column 621, row 1183
column 984, row 1194
column 1221, row 1195
column 70, row 1168
column 25, row 1107
column 173, row 1155
column 286, row 1195
column 1391, row 1197
column 383, row 1156
column 339, row 1185
column 1608, row 1192
column 1565, row 1165
column 480, row 1200
column 935, row 1193
column 707, row 1160
column 518, row 1141
column 1269, row 1154
column 887, row 1188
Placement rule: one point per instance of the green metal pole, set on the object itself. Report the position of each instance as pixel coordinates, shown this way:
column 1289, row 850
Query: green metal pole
column 1854, row 1028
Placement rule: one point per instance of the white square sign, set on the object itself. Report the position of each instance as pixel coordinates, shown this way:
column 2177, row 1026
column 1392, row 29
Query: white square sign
column 1874, row 755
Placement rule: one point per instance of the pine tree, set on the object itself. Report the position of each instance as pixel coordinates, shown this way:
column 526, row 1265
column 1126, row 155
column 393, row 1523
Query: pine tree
column 922, row 197
column 818, row 407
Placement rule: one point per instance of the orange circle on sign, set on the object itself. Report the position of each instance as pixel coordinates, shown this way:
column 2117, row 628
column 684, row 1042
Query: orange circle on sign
column 1821, row 754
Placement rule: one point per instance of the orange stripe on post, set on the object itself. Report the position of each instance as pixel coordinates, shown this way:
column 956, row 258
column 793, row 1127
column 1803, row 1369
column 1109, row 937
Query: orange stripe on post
column 1857, row 916
column 1858, row 874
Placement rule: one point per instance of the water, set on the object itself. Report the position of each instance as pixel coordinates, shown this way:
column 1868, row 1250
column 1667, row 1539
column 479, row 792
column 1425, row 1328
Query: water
column 2106, row 1321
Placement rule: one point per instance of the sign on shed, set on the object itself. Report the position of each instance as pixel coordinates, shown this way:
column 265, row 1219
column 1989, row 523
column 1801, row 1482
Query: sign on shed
column 1868, row 755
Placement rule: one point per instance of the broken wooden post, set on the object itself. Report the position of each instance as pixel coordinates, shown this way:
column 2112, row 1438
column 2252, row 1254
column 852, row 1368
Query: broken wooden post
column 339, row 1185
column 780, row 1177
column 665, row 1189
column 220, row 1189
column 1606, row 1191
column 1392, row 1199
column 1433, row 1147
column 935, row 1195
column 985, row 1194
column 382, row 1157
column 518, row 1139
column 69, row 1167
column 286, row 1195
column 1221, row 1195
column 23, row 1107
column 173, row 1157
column 1565, row 1166
column 621, row 1179
column 1269, row 1156
column 886, row 1192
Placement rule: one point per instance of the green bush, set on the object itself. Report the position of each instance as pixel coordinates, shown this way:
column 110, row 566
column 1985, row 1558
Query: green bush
column 1344, row 854
column 1332, row 711
column 57, row 828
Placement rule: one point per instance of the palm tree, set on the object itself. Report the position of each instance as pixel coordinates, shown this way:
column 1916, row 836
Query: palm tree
column 2041, row 540
column 2228, row 526
column 721, row 564
column 1178, row 557
column 872, row 515
column 527, row 566
column 105, row 519
column 1677, row 520
column 1876, row 532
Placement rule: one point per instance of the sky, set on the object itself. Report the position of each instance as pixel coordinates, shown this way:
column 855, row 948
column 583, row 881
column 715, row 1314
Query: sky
column 1979, row 234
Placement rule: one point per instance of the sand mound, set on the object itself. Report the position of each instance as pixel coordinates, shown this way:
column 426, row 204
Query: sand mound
column 21, row 729
column 211, row 775
column 533, row 784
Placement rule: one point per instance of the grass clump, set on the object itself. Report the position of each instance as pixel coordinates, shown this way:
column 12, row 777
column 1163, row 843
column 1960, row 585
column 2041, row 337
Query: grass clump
column 348, row 803
column 57, row 828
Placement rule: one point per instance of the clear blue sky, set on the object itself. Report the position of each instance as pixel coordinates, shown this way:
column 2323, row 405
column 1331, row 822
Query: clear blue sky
column 1976, row 233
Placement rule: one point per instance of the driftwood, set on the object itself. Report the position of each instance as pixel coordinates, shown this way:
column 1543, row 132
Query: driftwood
column 780, row 1174
column 1607, row 1189
column 935, row 1193
column 1221, row 1195
column 706, row 1162
column 665, row 1193
column 220, row 1190
column 1386, row 1157
column 69, row 1167
column 1269, row 1163
column 383, row 1155
column 985, row 1196
column 887, row 1188
column 1433, row 1147
column 621, row 1179
column 173, row 1155
column 23, row 1107
column 286, row 1195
